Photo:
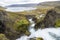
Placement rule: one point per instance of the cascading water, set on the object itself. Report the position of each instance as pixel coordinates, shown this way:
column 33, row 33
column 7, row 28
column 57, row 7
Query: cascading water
column 31, row 27
column 46, row 34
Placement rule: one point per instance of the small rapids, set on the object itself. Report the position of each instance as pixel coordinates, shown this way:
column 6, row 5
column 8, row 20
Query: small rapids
column 46, row 34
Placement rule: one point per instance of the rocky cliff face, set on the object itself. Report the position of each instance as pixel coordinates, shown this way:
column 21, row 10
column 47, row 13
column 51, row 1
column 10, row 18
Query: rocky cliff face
column 2, row 21
column 49, row 20
column 13, row 25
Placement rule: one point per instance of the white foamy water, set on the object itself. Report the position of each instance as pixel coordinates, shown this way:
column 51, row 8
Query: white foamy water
column 23, row 38
column 46, row 34
column 31, row 27
column 17, row 9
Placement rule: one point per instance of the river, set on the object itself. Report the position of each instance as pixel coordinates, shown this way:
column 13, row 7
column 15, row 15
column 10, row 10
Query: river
column 46, row 34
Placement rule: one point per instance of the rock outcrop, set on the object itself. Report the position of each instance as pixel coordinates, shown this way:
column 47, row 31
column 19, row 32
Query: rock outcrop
column 49, row 20
column 13, row 25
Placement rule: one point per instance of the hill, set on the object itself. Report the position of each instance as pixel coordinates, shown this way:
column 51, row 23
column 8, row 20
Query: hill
column 51, row 3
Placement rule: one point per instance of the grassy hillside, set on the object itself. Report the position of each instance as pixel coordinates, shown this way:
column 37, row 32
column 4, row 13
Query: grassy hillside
column 13, row 24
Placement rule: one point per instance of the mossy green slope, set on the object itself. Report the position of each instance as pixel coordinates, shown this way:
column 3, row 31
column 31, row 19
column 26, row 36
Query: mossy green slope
column 15, row 24
column 3, row 37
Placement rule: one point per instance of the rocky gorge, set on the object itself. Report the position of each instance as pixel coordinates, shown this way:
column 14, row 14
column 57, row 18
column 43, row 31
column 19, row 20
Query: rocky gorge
column 16, row 24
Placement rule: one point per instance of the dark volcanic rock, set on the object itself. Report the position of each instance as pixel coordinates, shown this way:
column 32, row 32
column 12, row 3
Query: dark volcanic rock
column 49, row 20
column 2, row 19
column 2, row 27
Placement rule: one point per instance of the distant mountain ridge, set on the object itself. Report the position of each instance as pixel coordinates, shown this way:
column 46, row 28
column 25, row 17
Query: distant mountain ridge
column 50, row 3
column 22, row 5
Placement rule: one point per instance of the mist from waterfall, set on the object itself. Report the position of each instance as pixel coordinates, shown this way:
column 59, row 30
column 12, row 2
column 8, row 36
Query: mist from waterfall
column 46, row 34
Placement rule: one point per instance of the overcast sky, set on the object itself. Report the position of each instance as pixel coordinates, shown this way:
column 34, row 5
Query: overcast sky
column 8, row 2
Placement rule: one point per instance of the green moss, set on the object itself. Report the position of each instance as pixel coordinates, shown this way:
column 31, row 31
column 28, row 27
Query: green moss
column 21, row 23
column 16, row 25
column 17, row 22
column 27, row 33
column 3, row 37
column 39, row 38
column 57, row 23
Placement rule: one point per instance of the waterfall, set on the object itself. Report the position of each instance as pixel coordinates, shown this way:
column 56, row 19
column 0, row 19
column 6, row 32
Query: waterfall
column 31, row 27
column 46, row 34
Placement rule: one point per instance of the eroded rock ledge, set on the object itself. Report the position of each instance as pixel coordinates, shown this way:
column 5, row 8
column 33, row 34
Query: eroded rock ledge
column 49, row 20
